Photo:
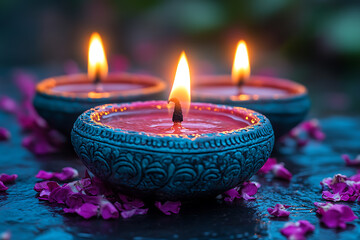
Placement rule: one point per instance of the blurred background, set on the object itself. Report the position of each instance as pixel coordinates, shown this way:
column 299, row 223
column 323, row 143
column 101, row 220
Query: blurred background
column 314, row 42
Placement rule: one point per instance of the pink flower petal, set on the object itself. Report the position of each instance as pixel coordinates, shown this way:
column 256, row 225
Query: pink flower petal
column 26, row 83
column 169, row 207
column 4, row 134
column 269, row 164
column 133, row 212
column 67, row 173
column 323, row 207
column 8, row 178
column 281, row 172
column 279, row 210
column 297, row 230
column 335, row 216
column 46, row 185
column 44, row 175
column 87, row 210
column 8, row 104
column 249, row 189
column 108, row 210
column 3, row 188
column 351, row 162
column 231, row 195
column 61, row 194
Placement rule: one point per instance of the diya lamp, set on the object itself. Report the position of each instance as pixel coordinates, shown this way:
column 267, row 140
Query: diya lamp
column 284, row 102
column 60, row 100
column 202, row 150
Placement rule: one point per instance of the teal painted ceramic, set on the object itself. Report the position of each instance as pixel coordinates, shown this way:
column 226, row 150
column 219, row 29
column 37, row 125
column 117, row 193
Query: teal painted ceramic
column 172, row 166
column 61, row 109
column 284, row 112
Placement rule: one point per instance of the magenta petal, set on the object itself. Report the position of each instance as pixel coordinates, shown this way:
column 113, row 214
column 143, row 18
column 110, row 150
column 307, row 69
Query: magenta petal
column 46, row 185
column 297, row 230
column 169, row 207
column 331, row 219
column 231, row 194
column 336, row 216
column 44, row 175
column 268, row 165
column 131, row 201
column 347, row 214
column 87, row 210
column 61, row 194
column 4, row 134
column 77, row 199
column 8, row 104
column 351, row 162
column 67, row 173
column 26, row 83
column 8, row 178
column 279, row 210
column 108, row 210
column 3, row 188
column 38, row 145
column 281, row 172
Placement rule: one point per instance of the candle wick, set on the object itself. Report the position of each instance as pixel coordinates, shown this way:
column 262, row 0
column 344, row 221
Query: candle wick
column 177, row 115
column 97, row 82
column 97, row 79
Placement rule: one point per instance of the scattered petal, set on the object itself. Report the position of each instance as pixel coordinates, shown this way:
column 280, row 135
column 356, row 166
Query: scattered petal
column 335, row 216
column 269, row 164
column 231, row 194
column 108, row 210
column 168, row 207
column 279, row 210
column 87, row 210
column 249, row 189
column 4, row 134
column 3, row 188
column 297, row 230
column 304, row 133
column 281, row 172
column 351, row 162
column 8, row 178
column 67, row 173
column 8, row 104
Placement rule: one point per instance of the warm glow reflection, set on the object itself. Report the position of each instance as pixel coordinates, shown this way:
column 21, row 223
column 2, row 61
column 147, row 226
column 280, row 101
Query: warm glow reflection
column 241, row 67
column 181, row 85
column 97, row 63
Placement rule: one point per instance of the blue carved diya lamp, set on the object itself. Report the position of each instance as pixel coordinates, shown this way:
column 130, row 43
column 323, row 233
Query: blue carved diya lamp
column 138, row 148
column 60, row 100
column 172, row 165
column 284, row 102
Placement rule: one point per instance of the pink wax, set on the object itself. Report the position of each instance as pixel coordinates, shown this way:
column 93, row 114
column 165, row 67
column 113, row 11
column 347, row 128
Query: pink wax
column 158, row 120
column 222, row 87
column 103, row 87
column 245, row 90
column 78, row 86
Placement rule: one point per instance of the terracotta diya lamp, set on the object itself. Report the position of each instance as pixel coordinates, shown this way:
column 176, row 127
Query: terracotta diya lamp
column 284, row 102
column 203, row 150
column 60, row 100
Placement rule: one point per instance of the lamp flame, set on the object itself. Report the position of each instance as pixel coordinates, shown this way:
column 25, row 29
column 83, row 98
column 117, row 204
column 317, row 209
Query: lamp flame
column 181, row 85
column 97, row 63
column 241, row 67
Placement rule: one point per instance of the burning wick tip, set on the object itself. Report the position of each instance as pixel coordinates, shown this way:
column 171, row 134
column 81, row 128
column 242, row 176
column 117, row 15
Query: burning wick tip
column 177, row 115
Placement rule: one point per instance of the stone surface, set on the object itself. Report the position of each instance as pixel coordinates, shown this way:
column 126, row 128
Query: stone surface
column 28, row 218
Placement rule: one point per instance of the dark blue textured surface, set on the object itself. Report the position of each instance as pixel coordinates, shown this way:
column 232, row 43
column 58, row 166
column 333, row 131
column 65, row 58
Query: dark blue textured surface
column 28, row 218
